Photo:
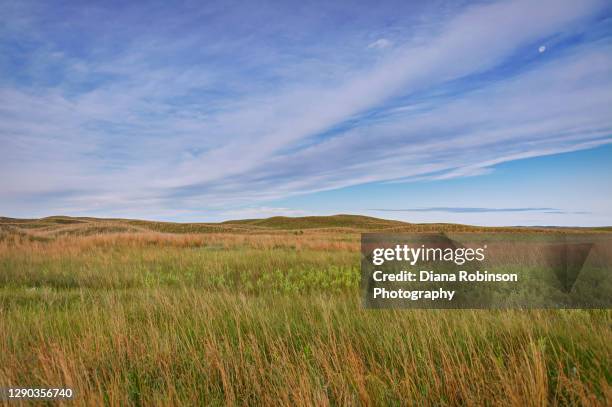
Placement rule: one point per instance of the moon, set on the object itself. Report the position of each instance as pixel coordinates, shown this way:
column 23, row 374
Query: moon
column 542, row 48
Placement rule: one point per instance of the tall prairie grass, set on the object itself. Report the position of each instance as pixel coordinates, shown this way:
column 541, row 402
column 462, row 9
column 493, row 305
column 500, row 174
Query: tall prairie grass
column 146, row 318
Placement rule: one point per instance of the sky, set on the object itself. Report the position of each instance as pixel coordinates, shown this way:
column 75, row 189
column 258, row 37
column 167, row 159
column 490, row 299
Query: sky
column 487, row 113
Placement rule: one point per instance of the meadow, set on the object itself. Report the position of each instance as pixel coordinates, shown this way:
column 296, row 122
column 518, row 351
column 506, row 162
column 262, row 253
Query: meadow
column 265, row 312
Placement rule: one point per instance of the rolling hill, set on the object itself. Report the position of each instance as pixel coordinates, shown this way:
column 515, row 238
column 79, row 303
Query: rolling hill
column 54, row 226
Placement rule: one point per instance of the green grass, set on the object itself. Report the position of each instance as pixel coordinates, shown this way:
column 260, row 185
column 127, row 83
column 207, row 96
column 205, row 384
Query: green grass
column 208, row 267
column 312, row 222
column 237, row 318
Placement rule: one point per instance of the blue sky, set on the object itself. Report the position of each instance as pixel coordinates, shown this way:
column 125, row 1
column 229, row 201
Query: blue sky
column 493, row 113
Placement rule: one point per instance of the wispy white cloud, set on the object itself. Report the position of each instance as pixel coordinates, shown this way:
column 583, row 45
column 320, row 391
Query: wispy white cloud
column 462, row 209
column 126, row 129
column 380, row 43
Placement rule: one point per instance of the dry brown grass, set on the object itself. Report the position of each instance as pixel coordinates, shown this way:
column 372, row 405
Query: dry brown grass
column 267, row 318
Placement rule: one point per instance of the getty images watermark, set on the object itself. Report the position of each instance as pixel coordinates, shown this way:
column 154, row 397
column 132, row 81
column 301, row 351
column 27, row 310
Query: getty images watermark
column 487, row 270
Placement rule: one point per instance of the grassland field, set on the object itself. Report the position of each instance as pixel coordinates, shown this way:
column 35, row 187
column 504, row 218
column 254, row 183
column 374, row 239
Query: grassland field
column 266, row 312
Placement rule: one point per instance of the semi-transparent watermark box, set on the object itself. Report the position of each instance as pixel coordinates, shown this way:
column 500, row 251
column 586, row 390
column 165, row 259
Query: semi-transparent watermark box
column 487, row 270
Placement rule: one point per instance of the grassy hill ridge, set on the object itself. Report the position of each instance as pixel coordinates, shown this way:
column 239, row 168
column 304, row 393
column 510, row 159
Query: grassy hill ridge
column 308, row 222
column 53, row 226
